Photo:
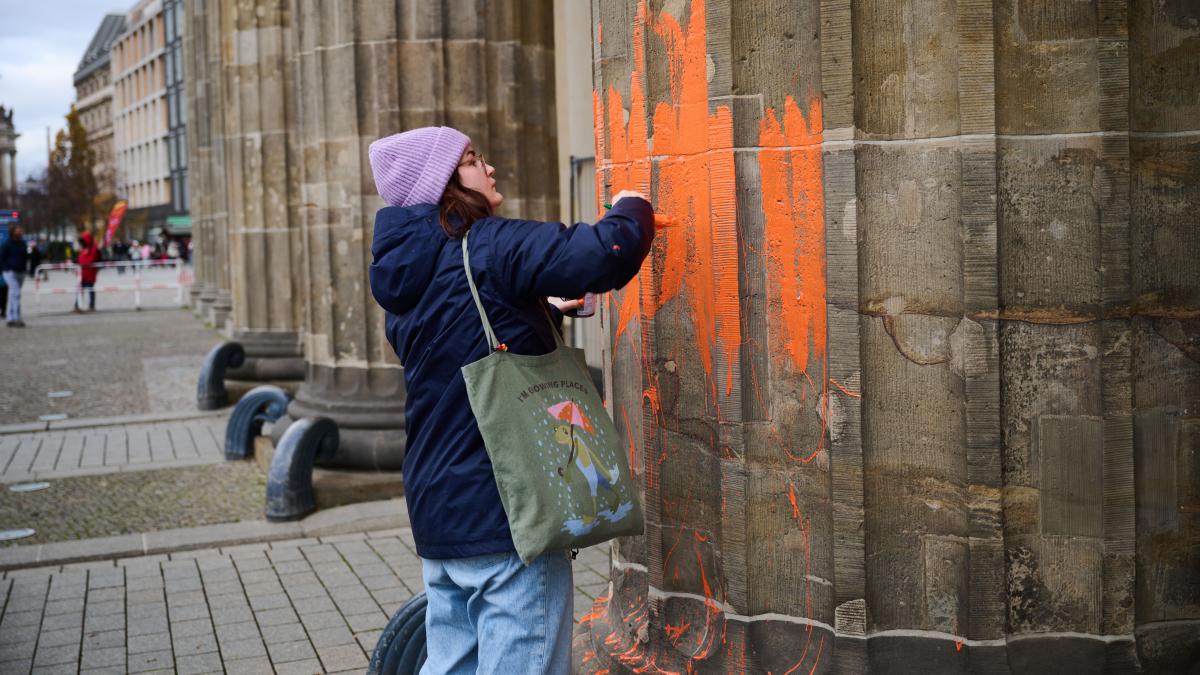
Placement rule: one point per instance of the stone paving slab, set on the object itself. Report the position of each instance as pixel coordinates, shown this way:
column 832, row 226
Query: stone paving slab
column 311, row 603
column 71, row 451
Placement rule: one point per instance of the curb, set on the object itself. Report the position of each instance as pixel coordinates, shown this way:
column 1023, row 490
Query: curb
column 362, row 517
column 90, row 422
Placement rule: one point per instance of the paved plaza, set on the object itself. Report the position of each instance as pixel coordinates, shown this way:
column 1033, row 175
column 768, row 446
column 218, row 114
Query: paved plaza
column 237, row 594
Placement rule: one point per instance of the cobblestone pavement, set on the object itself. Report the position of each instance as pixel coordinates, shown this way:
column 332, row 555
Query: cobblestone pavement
column 133, row 502
column 299, row 606
column 53, row 454
column 108, row 363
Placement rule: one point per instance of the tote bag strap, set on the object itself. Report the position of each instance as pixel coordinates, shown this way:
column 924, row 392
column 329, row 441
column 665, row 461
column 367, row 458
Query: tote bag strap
column 487, row 325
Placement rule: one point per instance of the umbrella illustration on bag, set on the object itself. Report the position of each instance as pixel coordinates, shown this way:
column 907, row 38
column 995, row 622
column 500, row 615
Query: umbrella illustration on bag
column 571, row 412
column 581, row 456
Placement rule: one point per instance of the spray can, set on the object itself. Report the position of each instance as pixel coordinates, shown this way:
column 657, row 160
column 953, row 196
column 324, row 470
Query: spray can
column 588, row 308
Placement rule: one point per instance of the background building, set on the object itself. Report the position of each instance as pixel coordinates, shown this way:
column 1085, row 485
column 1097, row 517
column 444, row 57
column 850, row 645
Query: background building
column 94, row 98
column 8, row 160
column 179, row 223
column 142, row 120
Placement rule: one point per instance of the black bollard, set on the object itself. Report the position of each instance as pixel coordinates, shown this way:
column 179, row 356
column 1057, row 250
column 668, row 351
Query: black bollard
column 261, row 404
column 210, row 390
column 289, row 481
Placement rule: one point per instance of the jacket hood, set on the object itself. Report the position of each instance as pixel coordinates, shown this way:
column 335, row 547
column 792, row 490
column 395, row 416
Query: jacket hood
column 404, row 254
column 86, row 238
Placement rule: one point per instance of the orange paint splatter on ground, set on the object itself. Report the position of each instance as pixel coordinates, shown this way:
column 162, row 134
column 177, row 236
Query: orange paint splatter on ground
column 673, row 632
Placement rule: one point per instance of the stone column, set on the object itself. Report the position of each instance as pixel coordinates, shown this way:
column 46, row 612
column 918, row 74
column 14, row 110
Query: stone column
column 1063, row 238
column 347, row 86
column 1164, row 184
column 196, row 82
column 913, row 290
column 205, row 38
column 5, row 173
column 373, row 69
column 266, row 282
column 219, row 36
column 720, row 376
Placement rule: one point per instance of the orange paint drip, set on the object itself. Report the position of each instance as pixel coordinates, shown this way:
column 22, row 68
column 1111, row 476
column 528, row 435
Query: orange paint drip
column 792, row 499
column 633, row 465
column 851, row 394
column 817, row 660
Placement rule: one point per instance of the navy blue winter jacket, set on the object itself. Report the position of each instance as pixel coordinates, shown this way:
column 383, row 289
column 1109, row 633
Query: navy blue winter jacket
column 417, row 276
column 14, row 256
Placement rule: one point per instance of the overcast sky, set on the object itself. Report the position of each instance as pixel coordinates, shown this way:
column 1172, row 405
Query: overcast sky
column 43, row 41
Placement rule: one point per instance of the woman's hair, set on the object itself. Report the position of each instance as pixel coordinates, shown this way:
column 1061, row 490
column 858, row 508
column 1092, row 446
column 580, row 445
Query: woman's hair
column 460, row 207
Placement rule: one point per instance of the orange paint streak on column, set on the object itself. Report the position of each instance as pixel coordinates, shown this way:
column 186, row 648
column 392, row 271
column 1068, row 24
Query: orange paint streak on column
column 794, row 210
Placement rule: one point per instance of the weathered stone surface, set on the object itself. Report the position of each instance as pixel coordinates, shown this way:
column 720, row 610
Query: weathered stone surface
column 1007, row 291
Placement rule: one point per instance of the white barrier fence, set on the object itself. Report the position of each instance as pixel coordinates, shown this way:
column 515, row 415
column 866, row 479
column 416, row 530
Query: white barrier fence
column 132, row 276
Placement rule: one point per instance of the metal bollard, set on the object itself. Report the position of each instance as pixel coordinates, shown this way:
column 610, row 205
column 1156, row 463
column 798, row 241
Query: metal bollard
column 210, row 390
column 261, row 404
column 289, row 481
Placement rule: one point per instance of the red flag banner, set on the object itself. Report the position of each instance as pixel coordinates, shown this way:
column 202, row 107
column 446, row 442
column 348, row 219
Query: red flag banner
column 114, row 220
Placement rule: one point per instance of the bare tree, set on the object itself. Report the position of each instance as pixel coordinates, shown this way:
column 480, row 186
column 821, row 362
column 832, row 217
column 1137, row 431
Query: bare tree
column 72, row 188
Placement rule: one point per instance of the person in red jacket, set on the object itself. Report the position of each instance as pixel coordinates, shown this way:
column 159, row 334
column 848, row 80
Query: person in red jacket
column 89, row 255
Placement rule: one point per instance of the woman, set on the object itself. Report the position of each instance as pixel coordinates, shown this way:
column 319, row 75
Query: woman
column 487, row 612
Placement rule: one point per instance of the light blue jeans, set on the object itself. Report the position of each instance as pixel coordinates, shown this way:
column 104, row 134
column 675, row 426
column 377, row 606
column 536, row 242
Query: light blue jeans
column 14, row 281
column 492, row 614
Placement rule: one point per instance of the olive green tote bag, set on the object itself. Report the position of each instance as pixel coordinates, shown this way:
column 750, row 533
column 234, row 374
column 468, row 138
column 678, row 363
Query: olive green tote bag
column 562, row 473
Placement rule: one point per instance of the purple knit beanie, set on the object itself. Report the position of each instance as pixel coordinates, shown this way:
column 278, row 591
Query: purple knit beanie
column 414, row 167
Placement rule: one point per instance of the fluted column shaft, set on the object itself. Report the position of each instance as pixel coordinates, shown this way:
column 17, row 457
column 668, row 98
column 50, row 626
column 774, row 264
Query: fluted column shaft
column 264, row 239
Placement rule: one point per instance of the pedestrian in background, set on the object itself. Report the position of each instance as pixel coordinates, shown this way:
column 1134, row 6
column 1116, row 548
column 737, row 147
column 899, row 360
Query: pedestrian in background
column 488, row 611
column 14, row 260
column 89, row 255
column 35, row 259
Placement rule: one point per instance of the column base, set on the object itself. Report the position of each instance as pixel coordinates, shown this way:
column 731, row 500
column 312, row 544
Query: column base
column 203, row 306
column 194, row 294
column 368, row 407
column 218, row 312
column 271, row 356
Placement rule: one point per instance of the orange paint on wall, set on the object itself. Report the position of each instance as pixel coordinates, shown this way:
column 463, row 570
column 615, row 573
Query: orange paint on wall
column 794, row 211
column 696, row 187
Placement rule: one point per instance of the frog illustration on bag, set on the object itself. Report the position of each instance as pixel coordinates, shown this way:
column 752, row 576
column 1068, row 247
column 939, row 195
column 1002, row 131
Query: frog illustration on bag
column 598, row 477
